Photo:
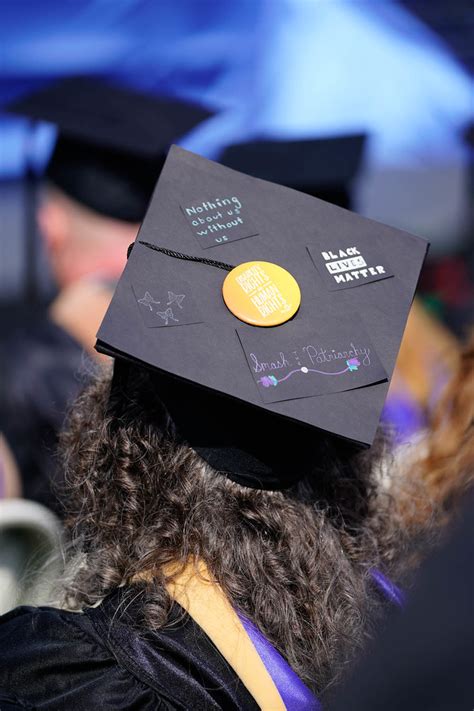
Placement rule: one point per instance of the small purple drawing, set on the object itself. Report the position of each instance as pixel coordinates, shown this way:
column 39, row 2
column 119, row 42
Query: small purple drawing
column 353, row 364
column 270, row 380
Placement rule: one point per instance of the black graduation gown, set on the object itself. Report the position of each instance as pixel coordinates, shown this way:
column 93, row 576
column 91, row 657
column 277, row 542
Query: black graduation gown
column 42, row 371
column 53, row 659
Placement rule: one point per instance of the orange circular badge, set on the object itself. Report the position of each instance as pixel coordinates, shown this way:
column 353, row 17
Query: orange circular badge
column 261, row 293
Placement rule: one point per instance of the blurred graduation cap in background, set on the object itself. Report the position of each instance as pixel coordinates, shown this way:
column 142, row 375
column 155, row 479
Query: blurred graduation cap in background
column 322, row 167
column 112, row 141
column 266, row 317
column 110, row 148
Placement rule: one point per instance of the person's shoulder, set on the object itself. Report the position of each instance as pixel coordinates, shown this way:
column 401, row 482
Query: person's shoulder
column 55, row 659
column 26, row 628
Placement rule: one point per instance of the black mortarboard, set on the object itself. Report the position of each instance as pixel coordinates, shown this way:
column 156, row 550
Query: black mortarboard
column 251, row 398
column 322, row 167
column 112, row 141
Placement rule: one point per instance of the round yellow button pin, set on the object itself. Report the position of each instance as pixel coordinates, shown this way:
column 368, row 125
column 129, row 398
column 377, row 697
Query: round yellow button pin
column 261, row 293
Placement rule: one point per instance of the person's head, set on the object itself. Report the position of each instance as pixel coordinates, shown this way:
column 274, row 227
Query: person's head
column 296, row 561
column 81, row 242
column 110, row 147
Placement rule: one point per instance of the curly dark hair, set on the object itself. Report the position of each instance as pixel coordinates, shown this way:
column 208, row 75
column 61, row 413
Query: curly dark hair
column 295, row 562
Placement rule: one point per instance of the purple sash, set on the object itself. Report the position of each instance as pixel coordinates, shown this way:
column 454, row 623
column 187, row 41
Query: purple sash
column 295, row 695
column 391, row 591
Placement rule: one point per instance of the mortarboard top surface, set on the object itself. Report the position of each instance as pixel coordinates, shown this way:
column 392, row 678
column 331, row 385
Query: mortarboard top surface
column 310, row 163
column 111, row 142
column 169, row 313
column 110, row 116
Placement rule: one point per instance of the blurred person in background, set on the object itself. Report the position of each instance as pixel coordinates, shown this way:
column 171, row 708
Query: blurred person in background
column 423, row 660
column 444, row 454
column 96, row 188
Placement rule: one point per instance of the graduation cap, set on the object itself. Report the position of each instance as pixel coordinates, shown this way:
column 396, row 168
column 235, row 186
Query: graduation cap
column 322, row 167
column 270, row 320
column 111, row 143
